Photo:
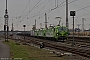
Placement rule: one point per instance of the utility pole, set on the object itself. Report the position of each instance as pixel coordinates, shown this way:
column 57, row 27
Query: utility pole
column 67, row 13
column 78, row 28
column 24, row 31
column 12, row 27
column 12, row 30
column 67, row 17
column 83, row 19
column 46, row 20
column 6, row 27
column 35, row 24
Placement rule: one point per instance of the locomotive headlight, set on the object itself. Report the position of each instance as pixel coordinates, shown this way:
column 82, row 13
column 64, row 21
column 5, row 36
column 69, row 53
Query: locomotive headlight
column 57, row 33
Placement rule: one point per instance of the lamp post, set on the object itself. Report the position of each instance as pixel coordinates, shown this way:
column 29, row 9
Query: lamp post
column 24, row 30
column 59, row 20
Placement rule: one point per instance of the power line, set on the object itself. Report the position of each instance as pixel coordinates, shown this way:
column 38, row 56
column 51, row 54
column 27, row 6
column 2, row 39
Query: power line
column 40, row 10
column 42, row 3
column 45, row 11
column 60, row 5
column 25, row 7
column 79, row 7
column 36, row 6
column 68, row 3
column 49, row 9
column 83, row 9
column 31, row 10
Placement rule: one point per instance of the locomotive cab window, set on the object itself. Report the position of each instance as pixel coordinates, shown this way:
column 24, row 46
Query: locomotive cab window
column 64, row 29
column 59, row 29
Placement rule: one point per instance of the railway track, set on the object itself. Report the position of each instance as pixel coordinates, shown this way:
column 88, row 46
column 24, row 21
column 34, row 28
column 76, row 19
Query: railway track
column 82, row 52
column 78, row 39
column 84, row 43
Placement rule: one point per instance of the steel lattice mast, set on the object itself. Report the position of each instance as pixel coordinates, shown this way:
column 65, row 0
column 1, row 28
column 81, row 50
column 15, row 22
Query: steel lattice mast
column 6, row 27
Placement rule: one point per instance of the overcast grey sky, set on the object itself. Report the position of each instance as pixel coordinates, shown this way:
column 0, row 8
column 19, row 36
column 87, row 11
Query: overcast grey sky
column 26, row 11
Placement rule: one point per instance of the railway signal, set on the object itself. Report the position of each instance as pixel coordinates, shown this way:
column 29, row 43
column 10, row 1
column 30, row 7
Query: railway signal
column 72, row 13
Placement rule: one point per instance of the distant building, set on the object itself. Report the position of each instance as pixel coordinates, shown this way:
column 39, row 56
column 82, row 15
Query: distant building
column 75, row 30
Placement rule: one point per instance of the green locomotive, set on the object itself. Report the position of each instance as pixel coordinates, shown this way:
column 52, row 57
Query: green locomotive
column 58, row 33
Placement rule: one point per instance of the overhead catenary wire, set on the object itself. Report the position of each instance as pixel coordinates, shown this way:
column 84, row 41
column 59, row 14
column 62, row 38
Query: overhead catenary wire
column 35, row 15
column 25, row 7
column 83, row 9
column 80, row 7
column 50, row 10
column 60, row 5
column 40, row 10
column 76, row 10
column 31, row 10
column 36, row 6
column 45, row 11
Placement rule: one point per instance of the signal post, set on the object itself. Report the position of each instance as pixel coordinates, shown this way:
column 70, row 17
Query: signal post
column 72, row 13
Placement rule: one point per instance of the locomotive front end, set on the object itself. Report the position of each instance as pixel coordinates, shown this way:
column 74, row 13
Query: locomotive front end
column 62, row 33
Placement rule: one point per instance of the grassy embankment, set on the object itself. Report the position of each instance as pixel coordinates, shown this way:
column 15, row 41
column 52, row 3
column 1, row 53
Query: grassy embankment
column 30, row 53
